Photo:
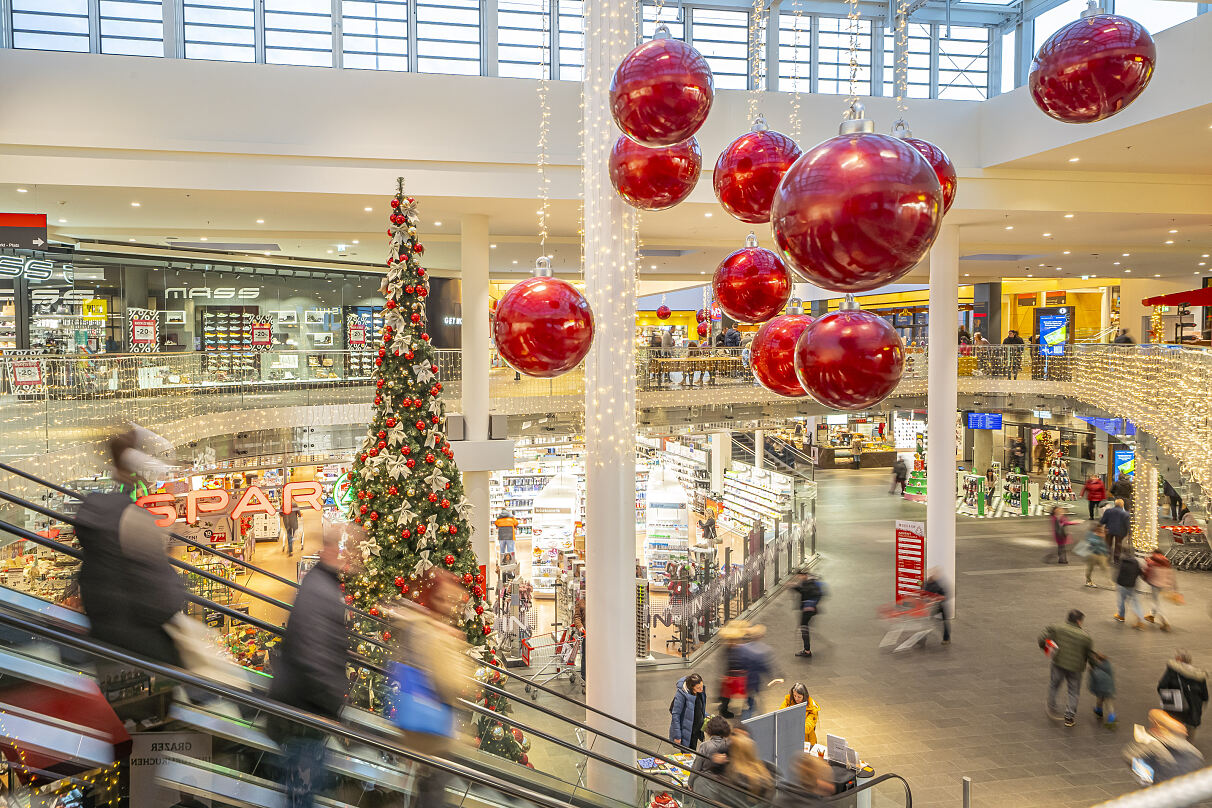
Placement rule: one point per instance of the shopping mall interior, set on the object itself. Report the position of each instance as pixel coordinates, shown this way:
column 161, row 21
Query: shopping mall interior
column 635, row 322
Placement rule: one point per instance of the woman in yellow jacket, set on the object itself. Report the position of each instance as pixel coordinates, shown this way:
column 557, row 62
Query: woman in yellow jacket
column 799, row 695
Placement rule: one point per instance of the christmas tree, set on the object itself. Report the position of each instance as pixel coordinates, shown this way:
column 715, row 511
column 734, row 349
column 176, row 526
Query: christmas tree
column 407, row 490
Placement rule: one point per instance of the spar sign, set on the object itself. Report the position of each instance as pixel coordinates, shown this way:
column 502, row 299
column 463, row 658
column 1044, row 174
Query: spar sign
column 216, row 500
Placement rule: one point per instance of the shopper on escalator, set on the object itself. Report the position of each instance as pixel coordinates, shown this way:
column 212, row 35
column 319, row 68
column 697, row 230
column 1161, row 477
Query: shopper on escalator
column 309, row 672
column 128, row 588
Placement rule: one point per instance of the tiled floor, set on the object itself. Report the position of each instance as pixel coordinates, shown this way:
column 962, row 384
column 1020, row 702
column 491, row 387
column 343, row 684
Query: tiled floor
column 974, row 708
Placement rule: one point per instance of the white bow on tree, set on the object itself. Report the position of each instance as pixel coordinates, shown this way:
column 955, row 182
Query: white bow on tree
column 422, row 372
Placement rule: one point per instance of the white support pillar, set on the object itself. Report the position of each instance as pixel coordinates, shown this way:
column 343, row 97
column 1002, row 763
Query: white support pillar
column 942, row 401
column 1104, row 318
column 609, row 249
column 721, row 459
column 474, row 336
column 759, row 449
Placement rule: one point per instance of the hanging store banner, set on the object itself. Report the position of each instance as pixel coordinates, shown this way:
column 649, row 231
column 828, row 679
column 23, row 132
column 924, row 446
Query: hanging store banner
column 94, row 309
column 260, row 333
column 144, row 331
column 356, row 334
column 910, row 558
column 26, row 375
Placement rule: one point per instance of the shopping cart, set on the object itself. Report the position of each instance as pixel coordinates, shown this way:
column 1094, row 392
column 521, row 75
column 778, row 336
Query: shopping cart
column 912, row 621
column 1189, row 548
column 552, row 655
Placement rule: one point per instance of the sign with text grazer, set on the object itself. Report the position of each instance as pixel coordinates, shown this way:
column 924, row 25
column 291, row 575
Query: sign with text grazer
column 147, row 754
column 910, row 558
column 23, row 231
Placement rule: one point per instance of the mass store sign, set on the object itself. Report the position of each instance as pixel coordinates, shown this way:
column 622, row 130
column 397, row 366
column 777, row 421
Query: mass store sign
column 34, row 269
column 216, row 500
column 217, row 293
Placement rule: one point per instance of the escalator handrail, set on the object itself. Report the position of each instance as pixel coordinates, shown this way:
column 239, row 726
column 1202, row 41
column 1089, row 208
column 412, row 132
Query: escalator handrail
column 268, row 705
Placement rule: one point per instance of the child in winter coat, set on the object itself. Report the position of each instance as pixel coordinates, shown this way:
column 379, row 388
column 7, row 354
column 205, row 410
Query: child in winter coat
column 1102, row 685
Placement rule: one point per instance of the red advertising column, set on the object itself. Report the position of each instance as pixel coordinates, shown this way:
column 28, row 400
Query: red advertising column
column 910, row 558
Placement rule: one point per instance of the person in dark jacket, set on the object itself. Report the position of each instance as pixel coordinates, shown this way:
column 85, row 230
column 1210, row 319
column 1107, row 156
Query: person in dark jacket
column 712, row 754
column 1176, row 502
column 687, row 711
column 810, row 591
column 732, row 337
column 128, row 588
column 810, row 779
column 1130, row 571
column 934, row 586
column 756, row 656
column 1073, row 650
column 900, row 474
column 1014, row 353
column 1116, row 522
column 1192, row 686
column 290, row 528
column 1122, row 489
column 1102, row 687
column 1167, row 752
column 309, row 673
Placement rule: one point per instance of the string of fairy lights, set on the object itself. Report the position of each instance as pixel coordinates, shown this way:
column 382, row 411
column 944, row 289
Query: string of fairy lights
column 852, row 21
column 794, row 120
column 755, row 60
column 900, row 71
column 544, row 93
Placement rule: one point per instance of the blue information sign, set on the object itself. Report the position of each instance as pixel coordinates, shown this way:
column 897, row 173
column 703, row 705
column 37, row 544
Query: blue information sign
column 984, row 420
column 1053, row 334
column 1125, row 462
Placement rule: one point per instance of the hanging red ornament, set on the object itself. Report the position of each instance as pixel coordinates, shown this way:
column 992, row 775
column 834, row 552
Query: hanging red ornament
column 379, row 384
column 420, row 529
column 434, row 419
column 378, row 363
column 752, row 284
column 663, row 312
column 429, row 458
column 662, row 91
column 399, row 580
column 703, row 329
column 407, row 450
column 391, row 489
column 405, row 534
column 1092, row 68
column 408, row 354
column 386, row 635
column 453, row 529
column 378, row 400
column 479, row 610
column 410, row 462
column 408, row 289
column 390, row 423
column 944, row 169
column 425, row 337
column 857, row 211
column 445, row 503
column 349, row 599
column 654, row 178
column 467, row 579
column 363, row 508
column 449, row 559
column 432, row 497
column 543, row 326
column 772, row 354
column 421, row 425
column 362, row 457
column 373, row 453
column 487, row 631
column 391, row 304
column 374, row 612
column 374, row 516
column 849, row 359
column 382, row 444
column 395, row 203
column 418, row 248
column 749, row 169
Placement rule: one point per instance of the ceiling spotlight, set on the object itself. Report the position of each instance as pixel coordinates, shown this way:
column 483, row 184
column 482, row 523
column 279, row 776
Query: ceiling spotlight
column 1029, row 275
column 1157, row 276
column 1067, row 252
column 437, row 224
column 1009, row 227
column 490, row 246
column 1126, row 255
column 1206, row 255
column 1094, row 275
column 63, row 221
column 136, row 204
column 1047, row 235
column 1074, row 159
column 967, row 274
column 1085, row 277
column 1127, row 270
column 368, row 210
column 260, row 221
column 515, row 262
column 652, row 266
column 1058, row 269
column 1115, row 263
column 203, row 238
column 1173, row 231
column 1068, row 215
column 130, row 239
column 330, row 252
column 23, row 190
column 266, row 255
column 1170, row 241
column 707, row 215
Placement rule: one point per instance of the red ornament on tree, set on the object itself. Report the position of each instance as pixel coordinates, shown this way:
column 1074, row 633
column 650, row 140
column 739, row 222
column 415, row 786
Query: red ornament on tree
column 752, row 285
column 399, row 580
column 421, row 425
column 772, row 354
column 430, row 458
column 467, row 579
column 662, row 91
column 453, row 529
column 944, row 169
column 849, row 359
column 749, row 169
column 857, row 211
column 479, row 610
column 432, row 497
column 1092, row 68
column 444, row 503
column 410, row 462
column 405, row 534
column 395, row 203
column 654, row 178
column 663, row 312
column 700, row 315
column 543, row 326
column 449, row 559
column 703, row 329
column 374, row 516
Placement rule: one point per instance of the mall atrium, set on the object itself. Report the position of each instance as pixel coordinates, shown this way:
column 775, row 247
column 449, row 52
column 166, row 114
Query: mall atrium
column 603, row 403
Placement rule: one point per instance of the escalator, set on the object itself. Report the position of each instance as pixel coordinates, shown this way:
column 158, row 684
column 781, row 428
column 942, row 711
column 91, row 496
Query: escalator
column 367, row 749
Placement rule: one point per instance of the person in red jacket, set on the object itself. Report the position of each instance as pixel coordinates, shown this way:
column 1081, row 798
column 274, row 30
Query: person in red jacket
column 1094, row 491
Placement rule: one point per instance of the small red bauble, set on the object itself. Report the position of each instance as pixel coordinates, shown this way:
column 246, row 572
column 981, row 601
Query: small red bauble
column 382, row 352
column 661, row 92
column 487, row 631
column 654, row 178
column 399, row 580
column 395, row 203
column 663, row 312
column 420, row 529
column 479, row 610
column 429, row 458
column 378, row 400
column 445, row 503
column 772, row 354
column 449, row 559
column 374, row 516
column 396, row 218
column 418, row 248
column 478, row 591
column 434, row 419
column 362, row 457
column 467, row 579
column 543, row 327
column 857, row 211
column 420, row 272
column 391, row 304
column 434, row 368
column 752, row 285
column 421, row 292
column 410, row 462
column 349, row 599
column 408, row 354
column 390, row 423
column 749, row 169
column 405, row 534
column 386, row 635
column 416, row 318
column 849, row 359
column 425, row 337
column 703, row 329
column 382, row 444
column 373, row 453
column 421, row 425
column 379, row 384
column 453, row 529
column 432, row 497
column 1092, row 68
column 363, row 508
column 408, row 289
column 374, row 612
column 944, row 169
column 700, row 315
column 378, row 363
column 407, row 450
column 391, row 489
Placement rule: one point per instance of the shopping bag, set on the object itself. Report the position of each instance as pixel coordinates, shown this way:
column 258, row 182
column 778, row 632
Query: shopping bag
column 413, row 704
column 1081, row 549
column 198, row 645
column 1174, row 596
column 1171, row 699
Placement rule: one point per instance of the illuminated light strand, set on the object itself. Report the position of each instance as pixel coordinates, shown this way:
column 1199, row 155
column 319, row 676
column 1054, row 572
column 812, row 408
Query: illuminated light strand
column 544, row 89
column 795, row 72
column 900, row 70
column 852, row 17
column 755, row 59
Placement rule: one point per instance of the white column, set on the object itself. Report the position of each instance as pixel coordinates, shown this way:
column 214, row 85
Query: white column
column 474, row 334
column 759, row 449
column 721, row 459
column 942, row 402
column 609, row 249
column 1104, row 319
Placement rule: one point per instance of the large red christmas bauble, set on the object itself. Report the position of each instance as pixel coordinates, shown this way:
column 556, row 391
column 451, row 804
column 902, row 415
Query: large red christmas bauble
column 752, row 285
column 944, row 169
column 772, row 354
column 661, row 92
column 849, row 359
column 857, row 211
column 663, row 312
column 654, row 178
column 700, row 316
column 749, row 169
column 1092, row 68
column 543, row 327
column 704, row 329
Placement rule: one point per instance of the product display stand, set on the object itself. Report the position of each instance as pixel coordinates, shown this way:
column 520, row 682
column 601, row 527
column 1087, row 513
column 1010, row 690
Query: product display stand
column 667, row 526
column 1057, row 487
column 554, row 526
column 973, row 501
column 1015, row 493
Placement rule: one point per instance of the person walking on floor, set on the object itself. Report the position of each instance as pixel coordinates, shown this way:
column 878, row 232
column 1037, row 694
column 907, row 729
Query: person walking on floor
column 1073, row 650
column 1060, row 535
column 1183, row 690
column 1128, row 573
column 1116, row 522
column 1159, row 575
column 810, row 781
column 1096, row 556
column 812, row 713
column 1014, row 353
column 687, row 711
column 1094, row 491
column 755, row 656
column 732, row 683
column 900, row 474
column 934, row 586
column 1176, row 502
column 1102, row 687
column 309, row 672
column 290, row 526
column 810, row 590
column 1122, row 489
column 1168, row 752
